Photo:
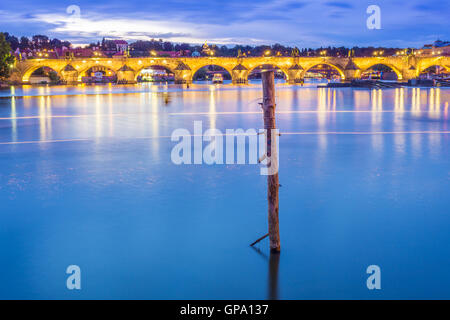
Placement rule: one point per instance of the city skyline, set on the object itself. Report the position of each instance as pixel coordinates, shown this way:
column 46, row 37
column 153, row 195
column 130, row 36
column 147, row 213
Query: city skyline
column 296, row 23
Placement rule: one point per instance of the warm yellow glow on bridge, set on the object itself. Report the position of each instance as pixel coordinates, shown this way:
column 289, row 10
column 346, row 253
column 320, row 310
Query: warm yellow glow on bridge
column 184, row 69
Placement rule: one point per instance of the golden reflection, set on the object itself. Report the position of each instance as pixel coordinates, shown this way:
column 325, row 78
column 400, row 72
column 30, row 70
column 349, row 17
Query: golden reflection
column 438, row 100
column 321, row 107
column 13, row 121
column 431, row 100
column 42, row 128
column 48, row 115
column 399, row 101
column 321, row 118
column 98, row 116
column 45, row 115
column 374, row 95
column 26, row 88
column 361, row 98
column 212, row 107
column 399, row 107
column 415, row 109
column 328, row 98
column 110, row 114
column 380, row 100
column 377, row 105
column 377, row 108
column 434, row 102
column 155, row 124
column 334, row 100
column 402, row 99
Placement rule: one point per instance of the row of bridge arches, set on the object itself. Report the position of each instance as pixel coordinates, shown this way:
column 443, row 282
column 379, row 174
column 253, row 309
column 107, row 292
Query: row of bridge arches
column 158, row 72
column 100, row 73
column 47, row 74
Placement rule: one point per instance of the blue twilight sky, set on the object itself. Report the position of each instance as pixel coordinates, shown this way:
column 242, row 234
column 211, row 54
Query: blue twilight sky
column 303, row 23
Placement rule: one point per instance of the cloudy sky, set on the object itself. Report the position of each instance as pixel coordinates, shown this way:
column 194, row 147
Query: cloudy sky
column 303, row 23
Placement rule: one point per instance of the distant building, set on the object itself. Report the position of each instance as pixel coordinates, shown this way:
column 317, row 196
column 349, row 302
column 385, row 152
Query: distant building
column 173, row 54
column 36, row 53
column 114, row 48
column 206, row 50
column 437, row 48
column 121, row 45
column 84, row 53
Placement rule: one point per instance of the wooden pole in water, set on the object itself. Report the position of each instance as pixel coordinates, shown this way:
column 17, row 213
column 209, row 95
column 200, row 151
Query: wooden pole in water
column 268, row 106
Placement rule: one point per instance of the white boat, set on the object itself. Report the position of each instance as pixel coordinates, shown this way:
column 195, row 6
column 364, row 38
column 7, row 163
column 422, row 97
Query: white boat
column 218, row 78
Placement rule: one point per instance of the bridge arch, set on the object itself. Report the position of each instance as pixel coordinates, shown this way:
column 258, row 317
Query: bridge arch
column 434, row 64
column 84, row 71
column 390, row 66
column 28, row 73
column 198, row 68
column 269, row 65
column 155, row 65
column 336, row 67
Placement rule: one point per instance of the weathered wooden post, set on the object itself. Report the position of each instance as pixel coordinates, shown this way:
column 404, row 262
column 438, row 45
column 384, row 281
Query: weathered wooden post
column 268, row 106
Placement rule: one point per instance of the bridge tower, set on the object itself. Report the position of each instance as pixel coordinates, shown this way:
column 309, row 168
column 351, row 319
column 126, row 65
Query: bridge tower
column 69, row 74
column 183, row 74
column 410, row 70
column 295, row 74
column 351, row 70
column 126, row 75
column 239, row 74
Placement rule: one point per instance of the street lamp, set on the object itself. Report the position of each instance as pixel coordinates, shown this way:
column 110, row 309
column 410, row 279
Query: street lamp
column 378, row 53
column 267, row 52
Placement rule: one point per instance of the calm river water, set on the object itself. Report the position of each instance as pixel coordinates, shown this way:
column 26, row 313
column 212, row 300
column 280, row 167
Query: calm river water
column 86, row 179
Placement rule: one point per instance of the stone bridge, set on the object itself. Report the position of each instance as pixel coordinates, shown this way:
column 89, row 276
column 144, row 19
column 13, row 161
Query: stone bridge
column 127, row 69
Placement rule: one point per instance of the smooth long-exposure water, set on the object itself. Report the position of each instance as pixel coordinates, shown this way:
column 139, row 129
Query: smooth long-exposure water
column 86, row 179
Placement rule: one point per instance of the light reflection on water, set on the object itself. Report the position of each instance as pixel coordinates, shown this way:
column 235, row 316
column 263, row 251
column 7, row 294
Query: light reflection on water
column 364, row 174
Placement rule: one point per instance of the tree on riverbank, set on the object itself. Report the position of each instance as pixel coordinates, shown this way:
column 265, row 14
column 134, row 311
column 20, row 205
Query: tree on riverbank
column 6, row 58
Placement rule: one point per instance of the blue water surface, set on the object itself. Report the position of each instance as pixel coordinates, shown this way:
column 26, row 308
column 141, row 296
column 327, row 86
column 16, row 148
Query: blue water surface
column 86, row 179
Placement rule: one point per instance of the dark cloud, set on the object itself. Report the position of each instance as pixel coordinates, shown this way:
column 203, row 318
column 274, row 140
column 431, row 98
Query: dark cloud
column 166, row 35
column 293, row 22
column 441, row 7
column 338, row 4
